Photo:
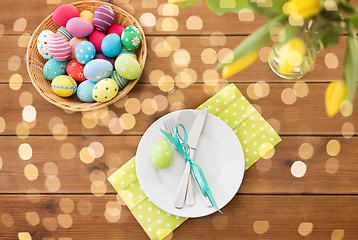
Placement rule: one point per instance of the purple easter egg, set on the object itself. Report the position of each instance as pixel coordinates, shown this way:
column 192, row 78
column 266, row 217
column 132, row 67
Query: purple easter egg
column 103, row 17
column 102, row 56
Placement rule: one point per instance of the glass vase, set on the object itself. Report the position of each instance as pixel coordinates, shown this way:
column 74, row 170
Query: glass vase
column 304, row 66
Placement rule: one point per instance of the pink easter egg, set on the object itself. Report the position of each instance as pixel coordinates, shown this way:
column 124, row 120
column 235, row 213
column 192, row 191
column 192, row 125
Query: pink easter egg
column 79, row 27
column 73, row 43
column 116, row 28
column 96, row 39
column 103, row 17
column 59, row 47
column 64, row 13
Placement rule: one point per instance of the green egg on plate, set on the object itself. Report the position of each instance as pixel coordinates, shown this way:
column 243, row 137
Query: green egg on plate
column 161, row 154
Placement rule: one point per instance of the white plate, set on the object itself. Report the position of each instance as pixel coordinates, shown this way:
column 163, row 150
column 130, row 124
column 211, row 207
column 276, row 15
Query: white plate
column 219, row 154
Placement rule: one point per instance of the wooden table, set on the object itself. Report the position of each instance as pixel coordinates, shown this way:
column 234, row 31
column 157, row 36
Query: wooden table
column 48, row 191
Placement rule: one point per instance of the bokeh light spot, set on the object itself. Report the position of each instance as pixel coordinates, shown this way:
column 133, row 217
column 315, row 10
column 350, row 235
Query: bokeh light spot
column 298, row 169
column 211, row 77
column 20, row 25
column 7, row 220
column 305, row 228
column 98, row 188
column 115, row 125
column 98, row 149
column 147, row 20
column 14, row 63
column 84, row 207
column 337, row 234
column 128, row 121
column 166, row 83
column 260, row 226
column 246, row 15
column 149, row 106
column 264, row 54
column 66, row 205
column 225, row 55
column 29, row 113
column 305, row 151
column 132, row 106
column 181, row 57
column 68, row 151
column 288, row 96
column 64, row 220
column 301, row 89
column 217, row 39
column 219, row 222
column 347, row 130
column 331, row 60
column 209, row 56
column 32, row 218
column 25, row 151
column 52, row 183
column 194, row 23
column 50, row 223
column 50, row 169
column 332, row 165
column 15, row 81
column 264, row 165
column 87, row 155
column 333, row 147
column 2, row 124
column 162, row 102
column 168, row 9
column 25, row 99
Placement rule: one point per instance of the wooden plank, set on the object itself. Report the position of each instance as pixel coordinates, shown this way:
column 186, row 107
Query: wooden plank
column 203, row 57
column 245, row 217
column 325, row 174
column 34, row 12
column 294, row 119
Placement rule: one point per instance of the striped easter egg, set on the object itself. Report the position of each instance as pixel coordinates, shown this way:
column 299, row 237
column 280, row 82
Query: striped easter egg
column 103, row 17
column 65, row 33
column 63, row 86
column 122, row 82
column 59, row 47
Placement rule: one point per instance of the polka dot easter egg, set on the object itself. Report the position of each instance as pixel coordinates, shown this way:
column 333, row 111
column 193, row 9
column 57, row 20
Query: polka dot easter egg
column 128, row 52
column 127, row 67
column 131, row 38
column 122, row 82
column 59, row 47
column 111, row 45
column 161, row 154
column 84, row 91
column 79, row 27
column 105, row 90
column 73, row 43
column 64, row 32
column 84, row 52
column 103, row 17
column 63, row 86
column 43, row 43
column 54, row 68
column 74, row 69
column 98, row 69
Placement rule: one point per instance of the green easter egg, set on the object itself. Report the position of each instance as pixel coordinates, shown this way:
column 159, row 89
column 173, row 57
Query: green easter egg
column 127, row 67
column 131, row 38
column 161, row 154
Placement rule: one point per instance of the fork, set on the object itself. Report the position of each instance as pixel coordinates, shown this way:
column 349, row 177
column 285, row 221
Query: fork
column 189, row 196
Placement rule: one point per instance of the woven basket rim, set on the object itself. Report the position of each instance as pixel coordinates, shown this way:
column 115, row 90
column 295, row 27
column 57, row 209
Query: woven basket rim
column 73, row 103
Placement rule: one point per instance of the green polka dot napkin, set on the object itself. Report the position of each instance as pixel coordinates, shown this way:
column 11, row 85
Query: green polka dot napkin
column 256, row 136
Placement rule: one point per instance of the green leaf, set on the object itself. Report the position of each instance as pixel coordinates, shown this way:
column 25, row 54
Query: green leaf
column 351, row 61
column 346, row 8
column 255, row 41
column 354, row 19
column 268, row 9
column 188, row 3
column 232, row 6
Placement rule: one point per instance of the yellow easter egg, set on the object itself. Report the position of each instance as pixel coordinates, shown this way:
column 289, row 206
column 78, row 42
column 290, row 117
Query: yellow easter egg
column 105, row 90
column 63, row 86
column 87, row 15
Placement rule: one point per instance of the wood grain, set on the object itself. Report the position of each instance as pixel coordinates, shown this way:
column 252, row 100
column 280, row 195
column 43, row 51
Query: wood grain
column 245, row 217
column 325, row 174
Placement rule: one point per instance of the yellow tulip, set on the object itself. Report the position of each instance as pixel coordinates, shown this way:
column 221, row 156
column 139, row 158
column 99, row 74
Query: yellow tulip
column 238, row 65
column 291, row 55
column 336, row 93
column 305, row 8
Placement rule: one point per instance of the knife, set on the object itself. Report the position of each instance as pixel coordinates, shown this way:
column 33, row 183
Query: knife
column 193, row 140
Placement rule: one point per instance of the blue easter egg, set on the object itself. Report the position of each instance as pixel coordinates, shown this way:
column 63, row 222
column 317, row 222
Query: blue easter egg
column 54, row 68
column 111, row 45
column 98, row 69
column 84, row 91
column 128, row 52
column 84, row 52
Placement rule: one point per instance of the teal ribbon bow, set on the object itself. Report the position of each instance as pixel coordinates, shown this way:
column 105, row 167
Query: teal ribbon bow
column 195, row 168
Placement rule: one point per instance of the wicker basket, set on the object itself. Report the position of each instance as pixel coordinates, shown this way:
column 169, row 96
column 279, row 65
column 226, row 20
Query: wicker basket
column 35, row 61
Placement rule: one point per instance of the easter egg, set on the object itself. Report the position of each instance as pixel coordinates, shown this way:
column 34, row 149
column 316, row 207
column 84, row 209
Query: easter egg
column 131, row 38
column 59, row 47
column 79, row 27
column 73, row 43
column 84, row 52
column 43, row 43
column 128, row 52
column 111, row 45
column 103, row 17
column 84, row 91
column 54, row 68
column 74, row 69
column 87, row 15
column 122, row 82
column 116, row 28
column 96, row 39
column 102, row 56
column 98, row 69
column 161, row 154
column 65, row 33
column 127, row 67
column 105, row 90
column 64, row 13
column 63, row 86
